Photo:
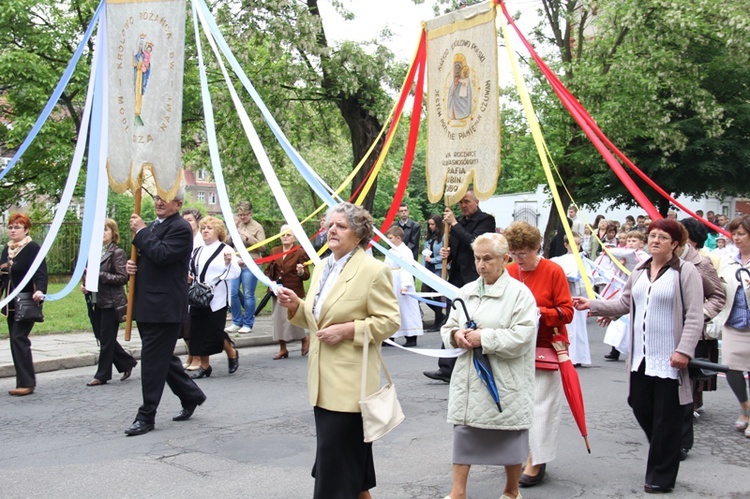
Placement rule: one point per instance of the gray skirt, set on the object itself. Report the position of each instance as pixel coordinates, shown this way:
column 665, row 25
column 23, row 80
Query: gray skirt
column 490, row 447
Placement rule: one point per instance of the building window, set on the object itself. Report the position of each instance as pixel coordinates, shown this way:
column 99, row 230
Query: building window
column 201, row 174
column 212, row 198
column 202, row 197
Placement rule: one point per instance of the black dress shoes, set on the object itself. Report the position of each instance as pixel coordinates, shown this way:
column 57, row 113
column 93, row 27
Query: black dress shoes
column 234, row 363
column 613, row 354
column 438, row 375
column 411, row 341
column 656, row 489
column 188, row 410
column 139, row 428
column 530, row 481
column 202, row 373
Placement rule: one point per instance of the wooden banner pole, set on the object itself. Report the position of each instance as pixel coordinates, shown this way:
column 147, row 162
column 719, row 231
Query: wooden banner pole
column 131, row 280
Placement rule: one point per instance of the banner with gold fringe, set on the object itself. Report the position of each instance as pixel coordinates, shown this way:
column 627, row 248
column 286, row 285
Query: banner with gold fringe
column 463, row 117
column 145, row 59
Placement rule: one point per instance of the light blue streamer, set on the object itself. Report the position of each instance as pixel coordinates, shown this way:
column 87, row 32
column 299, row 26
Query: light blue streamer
column 55, row 97
column 320, row 188
column 68, row 190
column 213, row 149
column 92, row 173
column 426, row 301
column 293, row 155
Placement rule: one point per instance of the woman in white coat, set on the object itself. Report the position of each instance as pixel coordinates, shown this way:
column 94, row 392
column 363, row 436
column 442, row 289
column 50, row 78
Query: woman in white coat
column 213, row 264
column 505, row 313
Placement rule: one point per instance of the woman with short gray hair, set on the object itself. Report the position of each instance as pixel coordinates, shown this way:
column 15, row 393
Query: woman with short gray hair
column 504, row 311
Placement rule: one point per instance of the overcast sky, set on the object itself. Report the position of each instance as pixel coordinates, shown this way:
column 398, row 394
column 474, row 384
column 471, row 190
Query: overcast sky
column 402, row 17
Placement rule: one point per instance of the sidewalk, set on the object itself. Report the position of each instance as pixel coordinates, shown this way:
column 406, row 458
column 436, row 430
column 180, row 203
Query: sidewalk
column 53, row 352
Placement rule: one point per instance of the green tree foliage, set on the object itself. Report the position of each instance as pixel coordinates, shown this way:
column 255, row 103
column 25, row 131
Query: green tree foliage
column 665, row 80
column 330, row 99
column 37, row 39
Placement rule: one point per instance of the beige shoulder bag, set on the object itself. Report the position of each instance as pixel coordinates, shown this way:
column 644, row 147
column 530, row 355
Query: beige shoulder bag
column 381, row 411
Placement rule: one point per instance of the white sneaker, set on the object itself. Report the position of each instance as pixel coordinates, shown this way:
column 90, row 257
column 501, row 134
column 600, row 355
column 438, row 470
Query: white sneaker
column 245, row 329
column 232, row 329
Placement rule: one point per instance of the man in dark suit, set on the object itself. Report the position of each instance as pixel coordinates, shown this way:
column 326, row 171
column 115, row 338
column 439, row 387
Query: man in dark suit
column 412, row 230
column 161, row 305
column 464, row 229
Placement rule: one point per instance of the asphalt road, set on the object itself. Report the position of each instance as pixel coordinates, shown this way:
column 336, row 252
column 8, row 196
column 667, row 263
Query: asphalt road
column 255, row 438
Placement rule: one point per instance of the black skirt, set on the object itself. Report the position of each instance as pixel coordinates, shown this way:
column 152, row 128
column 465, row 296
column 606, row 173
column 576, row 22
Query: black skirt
column 207, row 331
column 343, row 461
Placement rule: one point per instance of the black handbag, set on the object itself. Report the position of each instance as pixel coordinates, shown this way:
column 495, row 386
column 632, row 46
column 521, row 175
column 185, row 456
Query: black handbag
column 27, row 309
column 200, row 293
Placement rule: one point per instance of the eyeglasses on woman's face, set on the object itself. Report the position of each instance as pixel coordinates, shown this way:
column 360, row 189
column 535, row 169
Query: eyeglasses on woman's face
column 660, row 237
column 16, row 227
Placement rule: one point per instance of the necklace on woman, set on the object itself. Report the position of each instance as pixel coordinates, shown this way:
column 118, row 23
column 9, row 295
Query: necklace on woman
column 529, row 273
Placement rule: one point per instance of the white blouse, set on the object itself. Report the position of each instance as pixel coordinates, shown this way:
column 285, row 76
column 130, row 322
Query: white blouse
column 218, row 272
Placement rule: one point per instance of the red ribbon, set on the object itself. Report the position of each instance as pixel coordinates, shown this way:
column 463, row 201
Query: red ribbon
column 587, row 123
column 416, row 114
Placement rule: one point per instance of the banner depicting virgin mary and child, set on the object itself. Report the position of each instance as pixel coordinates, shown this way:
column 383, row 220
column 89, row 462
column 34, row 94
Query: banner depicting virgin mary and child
column 463, row 118
column 146, row 46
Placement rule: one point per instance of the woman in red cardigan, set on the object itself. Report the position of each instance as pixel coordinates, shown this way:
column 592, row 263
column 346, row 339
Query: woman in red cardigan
column 290, row 270
column 548, row 284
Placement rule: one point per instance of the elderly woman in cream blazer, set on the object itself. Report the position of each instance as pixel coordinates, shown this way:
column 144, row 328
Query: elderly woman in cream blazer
column 349, row 293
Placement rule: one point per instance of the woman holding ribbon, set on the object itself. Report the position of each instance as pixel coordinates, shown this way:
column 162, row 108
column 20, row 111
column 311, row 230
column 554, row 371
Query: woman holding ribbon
column 288, row 268
column 350, row 298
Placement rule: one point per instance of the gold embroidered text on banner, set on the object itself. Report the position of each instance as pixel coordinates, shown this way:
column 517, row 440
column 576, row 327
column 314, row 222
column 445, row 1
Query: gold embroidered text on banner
column 146, row 42
column 463, row 119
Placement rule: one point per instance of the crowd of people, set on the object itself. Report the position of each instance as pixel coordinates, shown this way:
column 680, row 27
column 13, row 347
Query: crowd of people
column 665, row 289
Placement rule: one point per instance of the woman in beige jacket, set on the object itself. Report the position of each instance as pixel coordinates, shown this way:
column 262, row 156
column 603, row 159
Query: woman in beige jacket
column 350, row 293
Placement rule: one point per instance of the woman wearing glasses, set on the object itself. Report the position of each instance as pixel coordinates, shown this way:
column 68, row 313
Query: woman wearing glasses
column 547, row 282
column 15, row 263
column 664, row 296
column 291, row 271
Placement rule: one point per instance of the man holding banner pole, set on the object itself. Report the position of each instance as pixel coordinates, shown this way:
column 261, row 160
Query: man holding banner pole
column 161, row 306
column 463, row 230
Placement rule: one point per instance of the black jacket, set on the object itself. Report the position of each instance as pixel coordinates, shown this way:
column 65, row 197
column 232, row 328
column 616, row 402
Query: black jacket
column 462, row 234
column 112, row 278
column 161, row 281
column 11, row 275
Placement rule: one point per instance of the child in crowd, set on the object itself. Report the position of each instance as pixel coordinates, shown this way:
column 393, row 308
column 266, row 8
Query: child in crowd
column 403, row 282
column 630, row 257
column 577, row 331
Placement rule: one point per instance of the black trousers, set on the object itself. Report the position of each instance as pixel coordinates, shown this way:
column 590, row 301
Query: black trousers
column 446, row 365
column 343, row 461
column 106, row 324
column 656, row 405
column 20, row 349
column 159, row 365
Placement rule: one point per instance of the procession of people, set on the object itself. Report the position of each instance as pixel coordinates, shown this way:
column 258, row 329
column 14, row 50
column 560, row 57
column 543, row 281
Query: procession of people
column 507, row 330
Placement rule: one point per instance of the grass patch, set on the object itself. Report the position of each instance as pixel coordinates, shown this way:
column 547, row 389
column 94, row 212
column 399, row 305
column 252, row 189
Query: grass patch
column 69, row 315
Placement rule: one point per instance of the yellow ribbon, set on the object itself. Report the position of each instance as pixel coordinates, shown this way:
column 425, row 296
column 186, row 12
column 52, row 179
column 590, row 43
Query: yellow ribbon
column 536, row 133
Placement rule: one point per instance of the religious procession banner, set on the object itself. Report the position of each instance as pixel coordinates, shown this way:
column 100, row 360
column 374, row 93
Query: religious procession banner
column 463, row 117
column 146, row 51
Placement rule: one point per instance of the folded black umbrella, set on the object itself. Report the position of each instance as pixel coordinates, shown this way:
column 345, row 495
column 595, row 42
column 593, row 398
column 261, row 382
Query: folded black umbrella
column 709, row 368
column 263, row 301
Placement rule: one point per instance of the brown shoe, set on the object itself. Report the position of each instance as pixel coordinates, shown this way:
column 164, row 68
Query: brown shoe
column 96, row 382
column 20, row 392
column 305, row 345
column 126, row 374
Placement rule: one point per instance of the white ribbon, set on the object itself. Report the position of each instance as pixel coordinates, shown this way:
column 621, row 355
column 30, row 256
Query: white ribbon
column 260, row 154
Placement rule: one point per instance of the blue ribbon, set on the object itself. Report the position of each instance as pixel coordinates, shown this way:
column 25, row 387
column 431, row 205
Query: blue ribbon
column 307, row 173
column 55, row 97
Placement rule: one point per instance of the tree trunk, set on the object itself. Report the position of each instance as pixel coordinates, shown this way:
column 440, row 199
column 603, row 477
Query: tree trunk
column 363, row 125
